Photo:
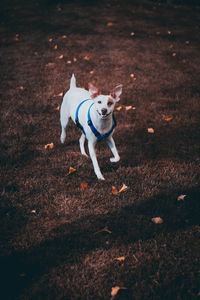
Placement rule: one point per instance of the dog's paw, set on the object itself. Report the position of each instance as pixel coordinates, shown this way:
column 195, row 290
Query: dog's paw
column 100, row 177
column 114, row 159
column 62, row 138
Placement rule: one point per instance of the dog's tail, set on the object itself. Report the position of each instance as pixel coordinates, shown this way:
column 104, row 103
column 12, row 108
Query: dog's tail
column 73, row 82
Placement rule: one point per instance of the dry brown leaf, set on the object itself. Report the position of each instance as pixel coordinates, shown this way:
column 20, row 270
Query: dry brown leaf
column 71, row 170
column 174, row 54
column 121, row 258
column 57, row 108
column 51, row 145
column 55, row 47
column 157, row 220
column 114, row 190
column 84, row 186
column 92, row 72
column 119, row 108
column 33, row 211
column 150, row 130
column 128, row 107
column 60, row 57
column 60, row 94
column 181, row 197
column 167, row 117
column 109, row 24
column 69, row 62
column 50, row 64
column 16, row 38
column 123, row 188
column 75, row 59
column 115, row 290
column 86, row 57
column 105, row 229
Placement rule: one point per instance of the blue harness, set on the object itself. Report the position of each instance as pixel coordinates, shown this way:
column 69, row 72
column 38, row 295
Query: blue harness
column 90, row 124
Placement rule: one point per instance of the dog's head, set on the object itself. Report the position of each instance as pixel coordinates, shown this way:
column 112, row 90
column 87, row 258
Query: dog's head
column 105, row 104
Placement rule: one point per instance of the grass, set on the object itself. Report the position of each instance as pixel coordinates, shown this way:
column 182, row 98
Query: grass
column 53, row 239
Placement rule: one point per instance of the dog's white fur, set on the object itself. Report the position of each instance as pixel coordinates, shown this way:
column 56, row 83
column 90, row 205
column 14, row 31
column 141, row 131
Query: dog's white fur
column 101, row 116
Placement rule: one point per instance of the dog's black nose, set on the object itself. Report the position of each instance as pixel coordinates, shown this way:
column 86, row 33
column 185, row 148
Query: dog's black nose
column 104, row 111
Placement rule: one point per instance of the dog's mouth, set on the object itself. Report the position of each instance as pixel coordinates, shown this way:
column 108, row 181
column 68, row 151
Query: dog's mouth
column 103, row 116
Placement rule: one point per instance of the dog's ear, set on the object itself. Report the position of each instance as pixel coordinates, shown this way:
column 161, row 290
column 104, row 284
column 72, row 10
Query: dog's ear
column 116, row 92
column 94, row 92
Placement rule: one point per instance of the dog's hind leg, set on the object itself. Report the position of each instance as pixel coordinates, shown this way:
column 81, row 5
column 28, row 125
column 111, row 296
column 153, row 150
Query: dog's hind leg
column 64, row 119
column 82, row 142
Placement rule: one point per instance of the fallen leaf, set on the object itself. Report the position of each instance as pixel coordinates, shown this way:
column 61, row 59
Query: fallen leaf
column 132, row 33
column 51, row 40
column 105, row 229
column 132, row 75
column 114, row 291
column 119, row 108
column 128, row 107
column 123, row 188
column 71, row 170
column 84, row 186
column 16, row 38
column 21, row 88
column 114, row 190
column 121, row 258
column 33, row 211
column 69, row 62
column 174, row 54
column 92, row 72
column 150, row 130
column 181, row 197
column 50, row 64
column 57, row 108
column 55, row 47
column 75, row 59
column 109, row 24
column 167, row 117
column 61, row 56
column 157, row 220
column 86, row 57
column 60, row 94
column 51, row 145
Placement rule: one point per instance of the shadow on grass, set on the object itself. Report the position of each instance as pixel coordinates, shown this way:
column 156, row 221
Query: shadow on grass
column 71, row 242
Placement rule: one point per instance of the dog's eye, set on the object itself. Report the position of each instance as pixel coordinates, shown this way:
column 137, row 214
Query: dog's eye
column 99, row 102
column 110, row 103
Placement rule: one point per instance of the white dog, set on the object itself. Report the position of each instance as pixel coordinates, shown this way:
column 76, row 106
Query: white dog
column 93, row 114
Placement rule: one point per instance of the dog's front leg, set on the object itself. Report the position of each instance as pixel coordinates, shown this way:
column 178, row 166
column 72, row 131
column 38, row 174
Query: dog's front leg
column 92, row 152
column 111, row 144
column 82, row 142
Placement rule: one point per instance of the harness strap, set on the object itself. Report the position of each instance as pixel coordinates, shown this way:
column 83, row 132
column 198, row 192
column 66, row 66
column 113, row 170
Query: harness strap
column 76, row 116
column 96, row 132
column 90, row 124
